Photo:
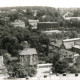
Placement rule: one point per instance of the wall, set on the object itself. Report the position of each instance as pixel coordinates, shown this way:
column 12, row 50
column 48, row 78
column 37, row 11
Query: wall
column 46, row 26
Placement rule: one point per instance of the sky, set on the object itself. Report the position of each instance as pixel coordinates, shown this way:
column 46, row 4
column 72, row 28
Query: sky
column 50, row 3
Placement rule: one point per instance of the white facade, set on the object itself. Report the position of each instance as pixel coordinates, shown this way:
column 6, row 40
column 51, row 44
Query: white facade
column 18, row 23
column 43, row 69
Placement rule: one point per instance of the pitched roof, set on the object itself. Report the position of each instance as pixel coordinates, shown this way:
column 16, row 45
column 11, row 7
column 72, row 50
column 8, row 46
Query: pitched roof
column 77, row 46
column 68, row 45
column 28, row 51
column 76, row 55
column 64, row 51
column 58, row 44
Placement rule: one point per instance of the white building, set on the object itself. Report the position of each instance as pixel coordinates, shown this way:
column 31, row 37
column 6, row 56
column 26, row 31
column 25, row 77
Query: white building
column 43, row 69
column 33, row 23
column 69, row 18
column 18, row 23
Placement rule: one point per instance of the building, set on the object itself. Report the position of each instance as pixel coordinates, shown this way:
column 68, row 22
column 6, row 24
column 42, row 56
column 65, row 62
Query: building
column 18, row 23
column 1, row 60
column 66, row 54
column 76, row 48
column 51, row 32
column 69, row 16
column 72, row 39
column 44, row 69
column 3, row 70
column 46, row 26
column 33, row 23
column 69, row 43
column 56, row 44
column 28, row 57
column 78, row 60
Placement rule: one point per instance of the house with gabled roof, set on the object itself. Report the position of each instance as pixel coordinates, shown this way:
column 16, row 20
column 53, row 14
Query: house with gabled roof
column 66, row 53
column 68, row 56
column 28, row 57
column 69, row 43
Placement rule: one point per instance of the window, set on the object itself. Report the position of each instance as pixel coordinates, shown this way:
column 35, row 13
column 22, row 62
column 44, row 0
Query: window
column 45, row 66
column 70, row 55
column 76, row 74
column 64, row 55
column 64, row 74
column 45, row 76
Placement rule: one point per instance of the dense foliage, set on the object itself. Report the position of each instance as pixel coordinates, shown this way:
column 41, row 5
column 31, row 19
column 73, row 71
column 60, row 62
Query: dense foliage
column 11, row 37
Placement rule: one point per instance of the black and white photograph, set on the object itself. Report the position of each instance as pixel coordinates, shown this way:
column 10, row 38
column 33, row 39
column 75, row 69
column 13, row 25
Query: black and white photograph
column 39, row 40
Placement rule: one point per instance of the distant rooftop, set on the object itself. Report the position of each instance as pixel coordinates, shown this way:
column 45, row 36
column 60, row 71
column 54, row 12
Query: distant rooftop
column 68, row 45
column 67, row 17
column 32, row 20
column 47, row 22
column 18, row 23
column 52, row 31
column 58, row 44
column 73, row 39
column 77, row 46
column 64, row 51
column 44, row 64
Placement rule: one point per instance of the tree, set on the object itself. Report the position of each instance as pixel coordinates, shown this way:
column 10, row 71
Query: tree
column 76, row 67
column 67, row 34
column 2, row 51
column 9, row 43
column 49, row 58
column 54, row 35
column 2, row 21
column 14, row 16
column 31, row 71
column 59, row 36
column 17, row 70
column 14, row 52
column 73, row 69
column 56, row 57
column 74, row 34
column 60, row 67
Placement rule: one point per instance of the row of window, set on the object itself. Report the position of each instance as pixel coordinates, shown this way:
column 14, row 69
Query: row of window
column 65, row 74
column 49, row 66
column 68, row 56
